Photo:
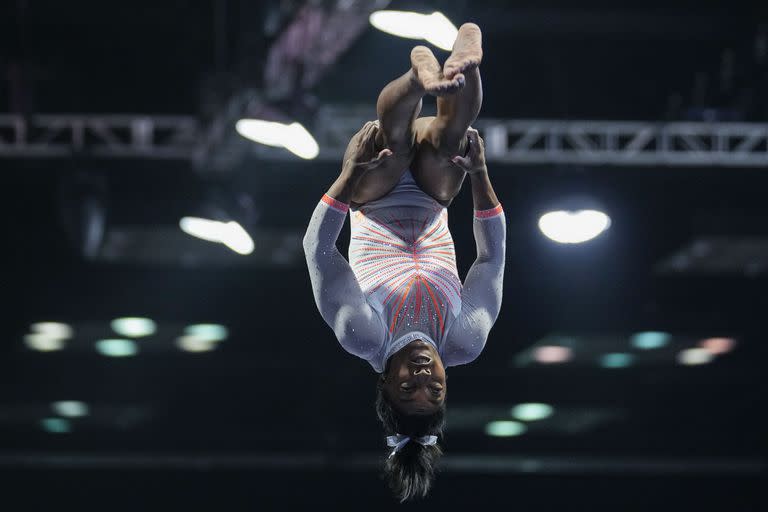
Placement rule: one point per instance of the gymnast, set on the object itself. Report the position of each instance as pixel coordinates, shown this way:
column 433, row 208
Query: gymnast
column 399, row 303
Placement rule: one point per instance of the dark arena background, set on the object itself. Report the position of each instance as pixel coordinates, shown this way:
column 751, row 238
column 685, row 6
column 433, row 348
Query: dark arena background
column 143, row 368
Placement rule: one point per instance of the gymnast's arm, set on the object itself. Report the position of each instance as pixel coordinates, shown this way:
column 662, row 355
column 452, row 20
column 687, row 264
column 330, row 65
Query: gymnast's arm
column 338, row 296
column 482, row 290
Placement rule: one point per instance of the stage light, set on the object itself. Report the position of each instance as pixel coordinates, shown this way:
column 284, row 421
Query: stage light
column 195, row 344
column 134, row 327
column 616, row 360
column 70, row 408
column 293, row 137
column 573, row 227
column 435, row 27
column 694, row 356
column 117, row 348
column 532, row 411
column 43, row 342
column 716, row 346
column 237, row 238
column 55, row 330
column 505, row 428
column 649, row 340
column 229, row 233
column 552, row 354
column 207, row 332
column 56, row 425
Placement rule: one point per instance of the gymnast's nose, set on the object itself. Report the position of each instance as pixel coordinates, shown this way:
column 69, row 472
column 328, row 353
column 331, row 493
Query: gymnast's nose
column 422, row 370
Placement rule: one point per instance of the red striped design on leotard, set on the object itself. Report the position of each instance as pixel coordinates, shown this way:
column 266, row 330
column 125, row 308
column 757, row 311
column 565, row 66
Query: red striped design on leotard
column 404, row 260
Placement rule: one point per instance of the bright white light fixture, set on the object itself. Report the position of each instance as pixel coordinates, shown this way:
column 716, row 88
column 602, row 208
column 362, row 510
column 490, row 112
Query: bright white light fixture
column 117, row 348
column 43, row 342
column 56, row 425
column 70, row 408
column 207, row 332
column 56, row 330
column 573, row 227
column 694, row 356
column 532, row 411
column 293, row 137
column 195, row 344
column 505, row 428
column 229, row 233
column 134, row 327
column 435, row 27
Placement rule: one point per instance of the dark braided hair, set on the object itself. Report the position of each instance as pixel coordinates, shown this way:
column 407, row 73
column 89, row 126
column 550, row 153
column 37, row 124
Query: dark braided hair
column 409, row 473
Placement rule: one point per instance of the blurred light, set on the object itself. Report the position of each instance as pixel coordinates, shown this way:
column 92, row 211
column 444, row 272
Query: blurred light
column 694, row 356
column 717, row 346
column 117, row 348
column 567, row 227
column 70, row 408
column 532, row 411
column 237, row 238
column 134, row 327
column 210, row 230
column 207, row 332
column 43, row 342
column 616, row 360
column 435, row 27
column 650, row 340
column 229, row 233
column 505, row 428
column 552, row 354
column 293, row 137
column 56, row 330
column 195, row 344
column 56, row 425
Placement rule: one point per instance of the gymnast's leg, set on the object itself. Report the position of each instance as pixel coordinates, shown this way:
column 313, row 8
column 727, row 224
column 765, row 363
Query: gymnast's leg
column 398, row 106
column 444, row 136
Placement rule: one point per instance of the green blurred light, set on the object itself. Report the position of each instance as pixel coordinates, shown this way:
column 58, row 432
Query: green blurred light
column 207, row 332
column 532, row 411
column 70, row 408
column 195, row 344
column 134, row 327
column 56, row 425
column 116, row 348
column 505, row 428
column 650, row 340
column 616, row 360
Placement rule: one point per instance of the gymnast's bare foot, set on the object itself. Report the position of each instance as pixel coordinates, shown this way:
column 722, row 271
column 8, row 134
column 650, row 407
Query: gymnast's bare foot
column 467, row 51
column 427, row 72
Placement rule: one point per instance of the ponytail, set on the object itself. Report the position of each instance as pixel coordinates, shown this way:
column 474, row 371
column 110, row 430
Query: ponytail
column 410, row 470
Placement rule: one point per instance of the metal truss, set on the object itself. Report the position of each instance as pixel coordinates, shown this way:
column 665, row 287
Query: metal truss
column 507, row 141
column 108, row 136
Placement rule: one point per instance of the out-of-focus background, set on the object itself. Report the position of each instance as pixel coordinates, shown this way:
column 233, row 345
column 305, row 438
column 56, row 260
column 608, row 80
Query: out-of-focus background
column 145, row 368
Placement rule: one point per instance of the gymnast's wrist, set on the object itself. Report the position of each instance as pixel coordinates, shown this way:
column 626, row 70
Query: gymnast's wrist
column 478, row 172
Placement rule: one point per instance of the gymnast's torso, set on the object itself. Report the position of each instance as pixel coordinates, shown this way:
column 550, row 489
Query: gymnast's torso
column 403, row 257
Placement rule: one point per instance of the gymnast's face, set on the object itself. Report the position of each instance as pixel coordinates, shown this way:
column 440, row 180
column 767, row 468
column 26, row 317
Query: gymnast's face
column 416, row 381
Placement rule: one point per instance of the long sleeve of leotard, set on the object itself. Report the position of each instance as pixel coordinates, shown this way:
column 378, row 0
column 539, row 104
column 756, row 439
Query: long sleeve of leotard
column 339, row 298
column 482, row 290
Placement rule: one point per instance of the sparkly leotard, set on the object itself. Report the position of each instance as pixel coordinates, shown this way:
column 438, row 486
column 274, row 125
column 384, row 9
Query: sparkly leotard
column 401, row 283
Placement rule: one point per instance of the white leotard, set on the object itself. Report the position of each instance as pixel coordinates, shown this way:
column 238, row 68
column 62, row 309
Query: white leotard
column 401, row 283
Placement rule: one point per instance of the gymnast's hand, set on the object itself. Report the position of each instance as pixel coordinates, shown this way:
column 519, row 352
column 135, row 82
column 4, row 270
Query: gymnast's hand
column 474, row 161
column 361, row 155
